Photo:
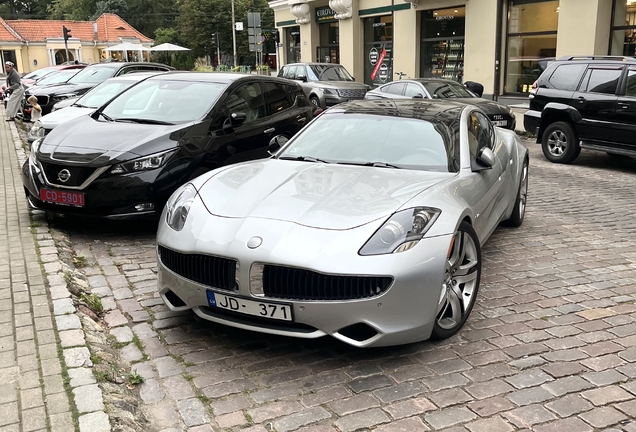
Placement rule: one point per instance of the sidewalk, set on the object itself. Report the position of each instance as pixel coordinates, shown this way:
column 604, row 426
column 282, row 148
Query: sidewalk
column 46, row 383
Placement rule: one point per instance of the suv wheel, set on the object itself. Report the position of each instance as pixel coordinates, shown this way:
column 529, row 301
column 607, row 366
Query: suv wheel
column 559, row 143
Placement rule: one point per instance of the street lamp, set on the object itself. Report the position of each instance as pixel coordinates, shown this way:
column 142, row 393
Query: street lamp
column 234, row 34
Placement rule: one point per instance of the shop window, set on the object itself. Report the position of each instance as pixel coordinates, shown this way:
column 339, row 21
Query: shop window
column 292, row 36
column 442, row 45
column 378, row 50
column 624, row 28
column 531, row 42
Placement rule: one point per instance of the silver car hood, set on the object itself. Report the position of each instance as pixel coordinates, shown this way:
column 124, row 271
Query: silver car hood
column 326, row 196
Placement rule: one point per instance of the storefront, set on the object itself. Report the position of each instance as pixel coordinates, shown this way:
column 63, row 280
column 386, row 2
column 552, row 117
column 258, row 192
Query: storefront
column 378, row 50
column 531, row 42
column 443, row 33
column 327, row 51
column 624, row 28
column 292, row 42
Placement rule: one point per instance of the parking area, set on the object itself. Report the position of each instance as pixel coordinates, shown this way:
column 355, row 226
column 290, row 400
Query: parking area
column 550, row 345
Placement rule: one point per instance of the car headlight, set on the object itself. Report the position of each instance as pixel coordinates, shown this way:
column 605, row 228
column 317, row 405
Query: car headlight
column 401, row 232
column 328, row 91
column 178, row 206
column 34, row 149
column 37, row 130
column 143, row 164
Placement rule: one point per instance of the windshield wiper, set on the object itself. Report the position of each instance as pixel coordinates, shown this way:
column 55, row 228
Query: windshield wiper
column 101, row 113
column 371, row 164
column 303, row 158
column 80, row 106
column 144, row 121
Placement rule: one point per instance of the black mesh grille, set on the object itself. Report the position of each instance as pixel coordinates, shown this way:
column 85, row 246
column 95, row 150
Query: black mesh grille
column 78, row 174
column 207, row 270
column 298, row 284
column 352, row 92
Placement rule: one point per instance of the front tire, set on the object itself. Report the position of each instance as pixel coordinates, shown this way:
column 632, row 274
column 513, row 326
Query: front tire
column 560, row 143
column 519, row 209
column 314, row 100
column 461, row 283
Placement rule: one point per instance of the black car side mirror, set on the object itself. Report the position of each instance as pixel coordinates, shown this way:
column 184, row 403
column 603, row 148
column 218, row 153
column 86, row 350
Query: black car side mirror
column 276, row 143
column 418, row 96
column 237, row 118
column 302, row 78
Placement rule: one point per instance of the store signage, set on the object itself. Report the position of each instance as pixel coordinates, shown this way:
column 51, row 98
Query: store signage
column 325, row 14
column 380, row 24
column 384, row 73
column 445, row 17
column 373, row 56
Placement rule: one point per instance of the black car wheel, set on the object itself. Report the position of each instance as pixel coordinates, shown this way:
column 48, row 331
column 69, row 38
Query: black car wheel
column 519, row 209
column 314, row 100
column 461, row 283
column 559, row 143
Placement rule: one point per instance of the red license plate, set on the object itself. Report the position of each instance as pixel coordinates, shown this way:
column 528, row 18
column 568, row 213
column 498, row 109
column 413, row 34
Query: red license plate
column 62, row 197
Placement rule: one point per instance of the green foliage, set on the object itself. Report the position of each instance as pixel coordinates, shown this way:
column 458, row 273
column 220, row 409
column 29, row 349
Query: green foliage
column 134, row 378
column 93, row 302
column 118, row 7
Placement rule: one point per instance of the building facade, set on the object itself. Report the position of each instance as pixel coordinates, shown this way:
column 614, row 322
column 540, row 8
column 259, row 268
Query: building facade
column 502, row 44
column 33, row 44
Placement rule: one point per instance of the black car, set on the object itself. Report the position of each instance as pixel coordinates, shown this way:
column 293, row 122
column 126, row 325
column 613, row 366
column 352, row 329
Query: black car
column 435, row 88
column 86, row 79
column 126, row 158
column 584, row 102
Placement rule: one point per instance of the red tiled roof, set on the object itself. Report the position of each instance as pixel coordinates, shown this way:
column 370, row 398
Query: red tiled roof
column 7, row 34
column 110, row 28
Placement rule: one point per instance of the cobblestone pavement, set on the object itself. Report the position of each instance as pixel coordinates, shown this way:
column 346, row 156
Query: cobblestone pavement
column 550, row 345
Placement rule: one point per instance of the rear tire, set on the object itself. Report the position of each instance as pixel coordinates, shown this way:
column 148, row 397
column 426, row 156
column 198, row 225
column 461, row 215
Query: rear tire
column 560, row 143
column 519, row 209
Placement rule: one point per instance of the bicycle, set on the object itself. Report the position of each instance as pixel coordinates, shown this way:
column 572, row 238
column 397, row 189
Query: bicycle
column 400, row 74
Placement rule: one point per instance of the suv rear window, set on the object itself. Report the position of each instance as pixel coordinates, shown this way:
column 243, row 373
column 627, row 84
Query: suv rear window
column 567, row 76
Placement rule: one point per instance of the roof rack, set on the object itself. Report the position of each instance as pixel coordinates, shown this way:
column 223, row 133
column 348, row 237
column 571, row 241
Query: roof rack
column 598, row 57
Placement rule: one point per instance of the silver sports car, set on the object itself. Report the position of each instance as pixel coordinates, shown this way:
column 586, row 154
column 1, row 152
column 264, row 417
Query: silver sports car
column 367, row 225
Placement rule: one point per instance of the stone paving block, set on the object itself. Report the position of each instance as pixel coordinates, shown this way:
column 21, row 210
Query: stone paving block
column 410, row 407
column 569, row 405
column 356, row 403
column 413, row 424
column 57, row 403
column 81, row 376
column 72, row 338
column 529, row 378
column 77, row 357
column 605, row 377
column 53, row 384
column 33, row 419
column 353, row 422
column 115, row 318
column 369, row 383
column 151, row 391
column 67, row 322
column 324, row 396
column 178, row 388
column 131, row 353
column 231, row 405
column 607, row 395
column 62, row 422
column 489, row 389
column 274, row 410
column 573, row 424
column 449, row 381
column 31, row 398
column 488, row 407
column 94, row 422
column 400, row 391
column 603, row 417
column 167, row 366
column 449, row 417
column 529, row 415
column 88, row 398
column 192, row 412
column 9, row 413
column 449, row 397
column 63, row 306
column 494, row 424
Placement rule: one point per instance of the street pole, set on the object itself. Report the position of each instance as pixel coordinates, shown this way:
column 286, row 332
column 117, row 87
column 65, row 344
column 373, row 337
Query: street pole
column 218, row 51
column 234, row 35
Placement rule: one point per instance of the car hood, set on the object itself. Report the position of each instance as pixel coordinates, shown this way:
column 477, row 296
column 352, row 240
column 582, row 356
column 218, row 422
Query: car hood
column 326, row 196
column 54, row 119
column 63, row 88
column 97, row 143
column 487, row 106
column 339, row 84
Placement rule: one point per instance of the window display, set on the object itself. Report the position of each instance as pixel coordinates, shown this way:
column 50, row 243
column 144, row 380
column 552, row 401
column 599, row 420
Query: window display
column 443, row 43
column 293, row 44
column 378, row 50
column 624, row 28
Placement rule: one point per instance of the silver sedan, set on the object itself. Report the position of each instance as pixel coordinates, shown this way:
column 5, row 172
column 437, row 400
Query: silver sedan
column 366, row 226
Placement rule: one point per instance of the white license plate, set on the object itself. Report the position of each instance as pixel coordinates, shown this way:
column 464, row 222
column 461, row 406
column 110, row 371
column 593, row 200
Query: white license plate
column 500, row 122
column 250, row 307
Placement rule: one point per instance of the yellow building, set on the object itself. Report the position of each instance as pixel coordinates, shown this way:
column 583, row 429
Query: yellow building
column 33, row 44
column 502, row 44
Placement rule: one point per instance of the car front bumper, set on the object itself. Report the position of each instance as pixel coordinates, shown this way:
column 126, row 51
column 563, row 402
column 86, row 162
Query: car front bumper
column 404, row 313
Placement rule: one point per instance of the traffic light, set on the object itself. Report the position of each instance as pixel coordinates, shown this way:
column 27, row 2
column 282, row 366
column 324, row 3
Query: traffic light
column 276, row 36
column 217, row 39
column 67, row 33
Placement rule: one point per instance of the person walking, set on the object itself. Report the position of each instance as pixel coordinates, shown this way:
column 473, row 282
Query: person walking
column 14, row 85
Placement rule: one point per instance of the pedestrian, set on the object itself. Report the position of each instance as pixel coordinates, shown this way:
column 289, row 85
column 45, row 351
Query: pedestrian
column 36, row 109
column 14, row 85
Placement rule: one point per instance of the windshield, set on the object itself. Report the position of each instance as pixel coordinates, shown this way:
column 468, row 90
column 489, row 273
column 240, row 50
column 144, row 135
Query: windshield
column 93, row 75
column 57, row 77
column 104, row 92
column 446, row 90
column 165, row 101
column 365, row 139
column 329, row 73
column 39, row 73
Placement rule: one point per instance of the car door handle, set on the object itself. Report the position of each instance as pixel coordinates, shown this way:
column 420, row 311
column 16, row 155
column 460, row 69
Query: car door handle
column 302, row 120
column 623, row 105
column 269, row 131
column 581, row 99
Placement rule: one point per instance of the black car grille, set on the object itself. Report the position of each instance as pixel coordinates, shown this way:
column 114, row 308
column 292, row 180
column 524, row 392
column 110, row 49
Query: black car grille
column 299, row 284
column 352, row 93
column 207, row 270
column 78, row 174
column 43, row 100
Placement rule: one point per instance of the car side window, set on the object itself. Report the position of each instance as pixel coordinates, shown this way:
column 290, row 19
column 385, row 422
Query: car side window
column 396, row 88
column 630, row 89
column 290, row 72
column 412, row 90
column 128, row 70
column 601, row 80
column 247, row 99
column 567, row 76
column 276, row 98
column 480, row 133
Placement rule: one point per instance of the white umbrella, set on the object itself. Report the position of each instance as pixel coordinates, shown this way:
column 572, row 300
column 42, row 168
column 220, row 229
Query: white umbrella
column 168, row 47
column 127, row 46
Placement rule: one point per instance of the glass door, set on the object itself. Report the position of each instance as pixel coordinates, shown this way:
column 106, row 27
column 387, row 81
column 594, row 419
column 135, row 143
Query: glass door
column 442, row 35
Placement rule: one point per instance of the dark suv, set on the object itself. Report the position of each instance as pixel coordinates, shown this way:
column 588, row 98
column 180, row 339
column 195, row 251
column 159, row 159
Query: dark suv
column 584, row 102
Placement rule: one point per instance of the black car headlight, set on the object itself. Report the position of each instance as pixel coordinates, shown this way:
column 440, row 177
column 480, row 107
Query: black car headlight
column 34, row 149
column 401, row 232
column 178, row 206
column 143, row 164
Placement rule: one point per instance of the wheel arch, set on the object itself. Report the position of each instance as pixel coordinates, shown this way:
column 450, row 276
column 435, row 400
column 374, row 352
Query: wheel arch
column 554, row 112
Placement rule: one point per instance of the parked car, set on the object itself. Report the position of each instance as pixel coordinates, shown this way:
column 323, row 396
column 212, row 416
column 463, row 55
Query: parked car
column 325, row 84
column 88, row 78
column 366, row 226
column 584, row 102
column 31, row 77
column 127, row 157
column 86, row 104
column 56, row 77
column 434, row 88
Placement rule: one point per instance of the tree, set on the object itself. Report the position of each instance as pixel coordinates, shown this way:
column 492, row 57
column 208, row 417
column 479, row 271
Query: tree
column 78, row 10
column 118, row 7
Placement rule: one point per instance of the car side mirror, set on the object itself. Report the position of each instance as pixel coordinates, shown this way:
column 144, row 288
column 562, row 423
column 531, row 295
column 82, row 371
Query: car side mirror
column 486, row 158
column 237, row 118
column 302, row 78
column 418, row 96
column 276, row 143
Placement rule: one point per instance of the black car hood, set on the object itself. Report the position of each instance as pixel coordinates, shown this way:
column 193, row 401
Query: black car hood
column 487, row 106
column 63, row 88
column 85, row 140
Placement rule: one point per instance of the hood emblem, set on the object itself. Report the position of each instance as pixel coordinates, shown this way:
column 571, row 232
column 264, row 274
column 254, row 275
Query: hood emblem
column 254, row 242
column 64, row 175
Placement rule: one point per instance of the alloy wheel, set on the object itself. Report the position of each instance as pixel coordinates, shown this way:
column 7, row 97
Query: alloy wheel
column 523, row 190
column 460, row 282
column 557, row 143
